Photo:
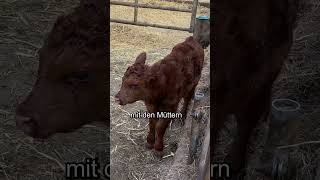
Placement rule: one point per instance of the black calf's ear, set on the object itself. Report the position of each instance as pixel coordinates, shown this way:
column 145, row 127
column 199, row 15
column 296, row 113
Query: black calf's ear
column 141, row 59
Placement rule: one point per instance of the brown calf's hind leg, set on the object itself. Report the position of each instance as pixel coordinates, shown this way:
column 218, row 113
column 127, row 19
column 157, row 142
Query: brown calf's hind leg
column 151, row 133
column 161, row 127
column 186, row 103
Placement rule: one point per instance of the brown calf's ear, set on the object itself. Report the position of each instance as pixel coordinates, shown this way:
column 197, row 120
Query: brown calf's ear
column 141, row 59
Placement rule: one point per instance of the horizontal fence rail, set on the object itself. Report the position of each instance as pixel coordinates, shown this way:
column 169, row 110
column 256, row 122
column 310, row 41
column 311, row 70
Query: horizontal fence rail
column 149, row 24
column 135, row 21
column 204, row 164
column 149, row 6
column 201, row 3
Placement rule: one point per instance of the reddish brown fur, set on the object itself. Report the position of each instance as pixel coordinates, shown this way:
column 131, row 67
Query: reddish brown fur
column 70, row 90
column 162, row 85
column 252, row 41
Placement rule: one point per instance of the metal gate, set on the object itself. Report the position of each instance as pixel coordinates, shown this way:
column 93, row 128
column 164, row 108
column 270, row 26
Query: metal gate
column 135, row 21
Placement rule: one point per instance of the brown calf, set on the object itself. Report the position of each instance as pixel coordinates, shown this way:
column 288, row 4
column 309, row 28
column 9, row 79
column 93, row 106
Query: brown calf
column 70, row 90
column 251, row 42
column 162, row 85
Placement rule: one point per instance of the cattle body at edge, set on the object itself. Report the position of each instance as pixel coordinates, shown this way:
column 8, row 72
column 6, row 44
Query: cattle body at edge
column 251, row 42
column 70, row 89
column 162, row 85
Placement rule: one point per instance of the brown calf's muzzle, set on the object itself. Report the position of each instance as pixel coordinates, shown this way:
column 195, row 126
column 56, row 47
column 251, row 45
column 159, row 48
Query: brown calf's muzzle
column 119, row 99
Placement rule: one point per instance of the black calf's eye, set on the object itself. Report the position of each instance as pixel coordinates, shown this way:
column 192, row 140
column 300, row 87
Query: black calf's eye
column 77, row 77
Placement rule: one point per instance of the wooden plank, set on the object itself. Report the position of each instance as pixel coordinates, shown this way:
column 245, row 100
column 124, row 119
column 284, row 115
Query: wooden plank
column 207, row 177
column 135, row 11
column 204, row 163
column 193, row 15
column 178, row 170
column 149, row 6
column 204, row 3
column 148, row 24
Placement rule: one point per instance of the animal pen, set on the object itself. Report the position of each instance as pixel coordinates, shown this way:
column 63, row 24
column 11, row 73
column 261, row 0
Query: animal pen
column 192, row 123
column 135, row 21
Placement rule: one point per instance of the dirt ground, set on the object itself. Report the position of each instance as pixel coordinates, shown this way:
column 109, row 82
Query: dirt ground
column 23, row 27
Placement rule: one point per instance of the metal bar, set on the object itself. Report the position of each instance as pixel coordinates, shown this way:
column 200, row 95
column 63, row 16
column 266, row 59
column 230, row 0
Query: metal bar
column 148, row 24
column 149, row 6
column 135, row 10
column 193, row 15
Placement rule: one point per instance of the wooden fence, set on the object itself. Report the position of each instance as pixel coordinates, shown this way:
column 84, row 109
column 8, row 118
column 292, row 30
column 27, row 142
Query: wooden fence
column 135, row 21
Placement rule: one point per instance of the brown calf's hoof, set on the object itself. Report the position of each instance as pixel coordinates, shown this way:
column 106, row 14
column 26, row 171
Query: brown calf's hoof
column 158, row 154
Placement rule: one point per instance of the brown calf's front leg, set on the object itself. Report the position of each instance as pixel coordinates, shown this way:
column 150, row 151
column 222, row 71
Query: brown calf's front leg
column 151, row 133
column 163, row 123
column 152, row 126
column 161, row 127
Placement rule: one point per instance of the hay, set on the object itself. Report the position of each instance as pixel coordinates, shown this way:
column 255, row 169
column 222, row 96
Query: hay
column 142, row 38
